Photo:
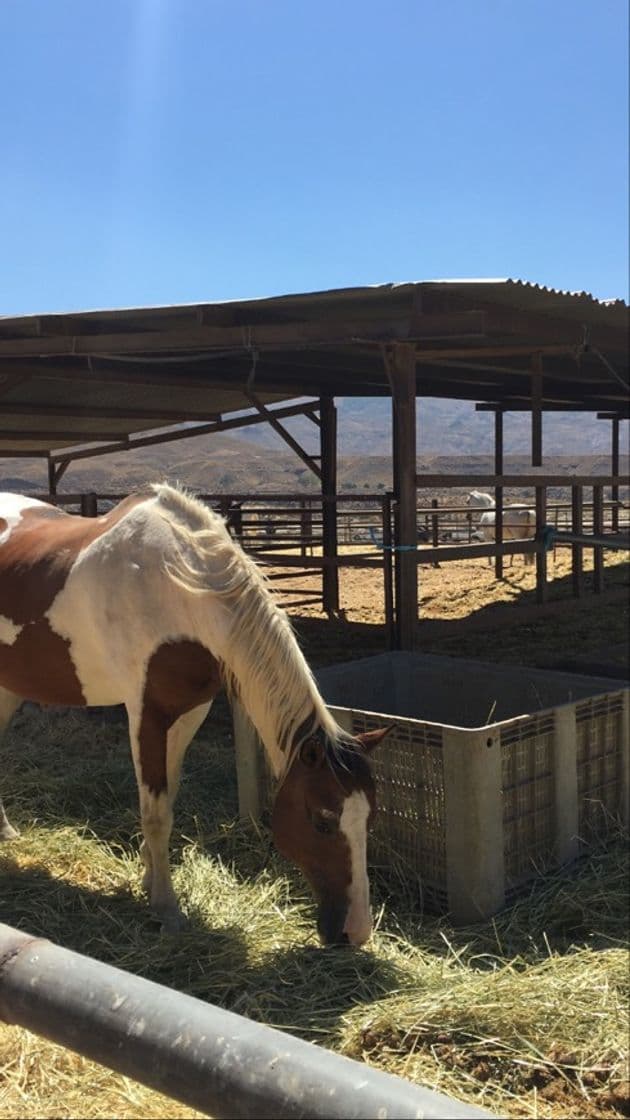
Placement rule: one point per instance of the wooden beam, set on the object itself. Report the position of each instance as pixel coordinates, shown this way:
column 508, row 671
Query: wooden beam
column 132, row 375
column 20, row 453
column 499, row 351
column 545, row 332
column 172, row 337
column 100, row 412
column 449, row 325
column 548, row 404
column 266, row 414
column 239, row 339
column 475, row 481
column 54, row 434
column 184, row 433
column 11, row 381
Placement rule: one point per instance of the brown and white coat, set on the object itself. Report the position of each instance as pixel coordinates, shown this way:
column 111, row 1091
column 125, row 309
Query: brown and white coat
column 154, row 606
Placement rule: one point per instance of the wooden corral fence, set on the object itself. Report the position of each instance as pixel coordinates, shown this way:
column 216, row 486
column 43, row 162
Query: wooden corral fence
column 291, row 533
column 213, row 1060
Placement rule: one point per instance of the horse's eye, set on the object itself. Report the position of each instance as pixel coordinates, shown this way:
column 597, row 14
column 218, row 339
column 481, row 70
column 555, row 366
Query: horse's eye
column 325, row 822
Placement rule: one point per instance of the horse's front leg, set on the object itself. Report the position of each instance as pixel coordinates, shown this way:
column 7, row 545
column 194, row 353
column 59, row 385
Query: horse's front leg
column 9, row 703
column 158, row 755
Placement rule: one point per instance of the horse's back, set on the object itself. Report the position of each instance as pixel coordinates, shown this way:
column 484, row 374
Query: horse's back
column 53, row 641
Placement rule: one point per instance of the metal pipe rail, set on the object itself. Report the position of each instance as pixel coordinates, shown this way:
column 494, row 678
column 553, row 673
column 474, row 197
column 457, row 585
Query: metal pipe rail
column 552, row 537
column 211, row 1059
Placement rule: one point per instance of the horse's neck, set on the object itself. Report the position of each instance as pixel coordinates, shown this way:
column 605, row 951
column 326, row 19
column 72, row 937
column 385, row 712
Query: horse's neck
column 274, row 685
column 280, row 706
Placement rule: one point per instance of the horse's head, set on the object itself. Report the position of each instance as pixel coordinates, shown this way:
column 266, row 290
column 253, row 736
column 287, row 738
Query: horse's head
column 320, row 822
column 479, row 500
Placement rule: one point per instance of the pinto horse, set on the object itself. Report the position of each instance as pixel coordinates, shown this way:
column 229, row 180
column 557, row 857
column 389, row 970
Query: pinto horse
column 154, row 606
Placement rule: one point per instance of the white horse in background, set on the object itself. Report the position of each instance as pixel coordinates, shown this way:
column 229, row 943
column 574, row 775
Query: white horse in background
column 519, row 522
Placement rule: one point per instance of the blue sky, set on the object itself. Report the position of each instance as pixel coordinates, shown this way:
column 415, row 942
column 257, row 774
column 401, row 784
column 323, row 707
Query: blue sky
column 166, row 151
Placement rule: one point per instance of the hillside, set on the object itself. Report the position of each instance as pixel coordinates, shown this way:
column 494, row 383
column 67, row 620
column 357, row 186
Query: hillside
column 449, row 427
column 221, row 464
column 451, row 437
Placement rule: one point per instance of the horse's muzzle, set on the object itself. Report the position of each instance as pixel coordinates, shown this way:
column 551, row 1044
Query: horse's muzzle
column 330, row 923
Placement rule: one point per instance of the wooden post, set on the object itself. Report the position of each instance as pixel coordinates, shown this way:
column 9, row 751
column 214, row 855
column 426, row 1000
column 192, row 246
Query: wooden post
column 598, row 529
column 614, row 492
column 89, row 505
column 52, row 479
column 328, row 437
column 435, row 535
column 624, row 730
column 303, row 527
column 388, row 585
column 403, row 376
column 541, row 555
column 498, row 491
column 537, row 394
column 577, row 521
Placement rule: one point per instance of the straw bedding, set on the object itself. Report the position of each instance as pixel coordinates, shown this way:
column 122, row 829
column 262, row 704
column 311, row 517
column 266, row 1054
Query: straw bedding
column 526, row 1015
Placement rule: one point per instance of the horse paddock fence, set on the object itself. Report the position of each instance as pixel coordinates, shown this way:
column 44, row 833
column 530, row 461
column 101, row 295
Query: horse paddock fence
column 291, row 535
column 213, row 1060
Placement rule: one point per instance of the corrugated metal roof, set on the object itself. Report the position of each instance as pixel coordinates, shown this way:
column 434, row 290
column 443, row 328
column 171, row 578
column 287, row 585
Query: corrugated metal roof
column 515, row 292
column 474, row 339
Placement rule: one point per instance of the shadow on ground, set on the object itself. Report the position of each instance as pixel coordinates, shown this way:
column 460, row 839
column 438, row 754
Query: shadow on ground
column 519, row 631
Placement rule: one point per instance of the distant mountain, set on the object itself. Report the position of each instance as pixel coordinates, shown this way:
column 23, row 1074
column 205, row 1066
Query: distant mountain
column 452, row 436
column 447, row 427
column 222, row 464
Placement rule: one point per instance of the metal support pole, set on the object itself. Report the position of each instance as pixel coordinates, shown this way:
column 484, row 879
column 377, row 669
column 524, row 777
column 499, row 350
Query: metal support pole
column 328, row 438
column 435, row 526
column 498, row 491
column 541, row 555
column 89, row 505
column 52, row 479
column 614, row 455
column 211, row 1059
column 537, row 420
column 598, row 530
column 403, row 376
column 388, row 574
column 577, row 526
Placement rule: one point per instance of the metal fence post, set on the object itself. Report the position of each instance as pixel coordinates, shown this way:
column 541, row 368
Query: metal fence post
column 220, row 1063
column 89, row 504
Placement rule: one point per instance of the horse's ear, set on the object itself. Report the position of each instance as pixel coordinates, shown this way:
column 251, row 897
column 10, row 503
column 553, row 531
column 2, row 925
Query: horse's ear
column 312, row 753
column 369, row 740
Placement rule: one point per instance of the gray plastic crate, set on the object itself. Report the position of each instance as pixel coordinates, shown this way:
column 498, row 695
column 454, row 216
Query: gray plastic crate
column 489, row 775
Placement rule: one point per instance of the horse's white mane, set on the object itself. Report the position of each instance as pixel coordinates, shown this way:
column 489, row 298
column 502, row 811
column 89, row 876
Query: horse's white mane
column 263, row 665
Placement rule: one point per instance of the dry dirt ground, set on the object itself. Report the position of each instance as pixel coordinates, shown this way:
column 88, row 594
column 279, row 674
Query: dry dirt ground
column 466, row 611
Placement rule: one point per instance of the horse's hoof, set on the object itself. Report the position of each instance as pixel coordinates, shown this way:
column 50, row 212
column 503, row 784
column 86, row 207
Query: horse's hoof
column 8, row 832
column 174, row 921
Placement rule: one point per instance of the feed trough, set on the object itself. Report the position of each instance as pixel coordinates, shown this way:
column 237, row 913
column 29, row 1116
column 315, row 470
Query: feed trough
column 489, row 776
